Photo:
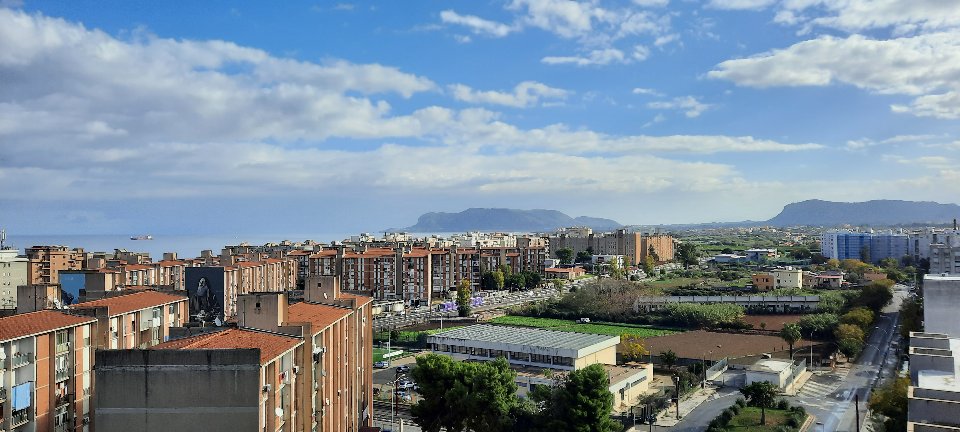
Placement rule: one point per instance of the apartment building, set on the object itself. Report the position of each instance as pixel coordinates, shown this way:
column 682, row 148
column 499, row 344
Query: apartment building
column 867, row 246
column 45, row 263
column 83, row 285
column 300, row 367
column 635, row 246
column 139, row 319
column 933, row 398
column 13, row 273
column 944, row 258
column 787, row 278
column 213, row 290
column 920, row 242
column 45, row 379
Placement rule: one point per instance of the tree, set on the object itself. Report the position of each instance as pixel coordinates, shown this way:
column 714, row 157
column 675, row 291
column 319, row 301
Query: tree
column 584, row 257
column 532, row 279
column 505, row 269
column 911, row 316
column 633, row 347
column 491, row 280
column 652, row 252
column 484, row 394
column 817, row 258
column 557, row 285
column 801, row 253
column 581, row 402
column 565, row 255
column 668, row 358
column 791, row 335
column 833, row 264
column 831, row 302
column 820, row 325
column 688, row 254
column 726, row 251
column 648, row 265
column 890, row 400
column 761, row 394
column 865, row 254
column 516, row 280
column 876, row 295
column 463, row 298
column 849, row 339
column 860, row 317
column 890, row 263
column 616, row 270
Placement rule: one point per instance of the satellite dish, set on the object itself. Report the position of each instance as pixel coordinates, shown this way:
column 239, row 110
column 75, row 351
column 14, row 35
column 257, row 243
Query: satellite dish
column 218, row 322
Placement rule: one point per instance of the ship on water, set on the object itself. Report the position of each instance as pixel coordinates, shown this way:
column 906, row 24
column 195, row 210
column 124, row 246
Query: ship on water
column 142, row 237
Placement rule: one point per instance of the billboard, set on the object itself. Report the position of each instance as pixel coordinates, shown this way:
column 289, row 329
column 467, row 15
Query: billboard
column 205, row 285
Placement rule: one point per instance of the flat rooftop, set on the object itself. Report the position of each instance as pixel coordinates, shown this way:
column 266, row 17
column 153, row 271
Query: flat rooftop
column 771, row 365
column 527, row 336
column 943, row 380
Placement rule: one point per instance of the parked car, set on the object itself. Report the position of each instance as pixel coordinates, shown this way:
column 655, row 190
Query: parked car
column 584, row 320
column 403, row 368
column 383, row 364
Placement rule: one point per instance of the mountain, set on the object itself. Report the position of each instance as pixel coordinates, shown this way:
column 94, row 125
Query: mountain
column 501, row 219
column 878, row 212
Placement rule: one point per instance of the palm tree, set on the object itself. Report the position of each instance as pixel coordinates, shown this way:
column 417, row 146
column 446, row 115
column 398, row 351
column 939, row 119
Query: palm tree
column 791, row 335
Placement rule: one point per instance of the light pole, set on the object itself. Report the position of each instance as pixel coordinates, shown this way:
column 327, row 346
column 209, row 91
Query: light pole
column 393, row 400
column 676, row 381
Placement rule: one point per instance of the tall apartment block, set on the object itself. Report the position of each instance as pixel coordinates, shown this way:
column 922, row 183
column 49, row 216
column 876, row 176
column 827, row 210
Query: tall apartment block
column 45, row 377
column 13, row 273
column 635, row 246
column 46, row 261
column 140, row 319
column 843, row 245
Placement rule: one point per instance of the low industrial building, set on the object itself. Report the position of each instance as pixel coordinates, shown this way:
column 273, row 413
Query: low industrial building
column 570, row 273
column 627, row 384
column 782, row 373
column 523, row 346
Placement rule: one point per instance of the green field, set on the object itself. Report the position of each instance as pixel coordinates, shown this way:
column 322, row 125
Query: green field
column 749, row 420
column 612, row 329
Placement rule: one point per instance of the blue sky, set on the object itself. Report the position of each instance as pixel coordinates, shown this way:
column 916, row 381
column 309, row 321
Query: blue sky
column 291, row 117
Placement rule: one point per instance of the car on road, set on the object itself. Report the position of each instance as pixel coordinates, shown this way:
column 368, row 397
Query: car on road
column 402, row 395
column 381, row 364
column 403, row 368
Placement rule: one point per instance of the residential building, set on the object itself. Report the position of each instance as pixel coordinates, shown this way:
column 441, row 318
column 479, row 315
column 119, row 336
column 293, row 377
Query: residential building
column 944, row 258
column 523, row 346
column 933, row 398
column 787, row 278
column 760, row 255
column 866, row 246
column 920, row 241
column 45, row 263
column 941, row 301
column 635, row 246
column 13, row 273
column 83, row 285
column 138, row 319
column 45, row 379
column 763, row 281
column 729, row 258
column 823, row 280
column 569, row 273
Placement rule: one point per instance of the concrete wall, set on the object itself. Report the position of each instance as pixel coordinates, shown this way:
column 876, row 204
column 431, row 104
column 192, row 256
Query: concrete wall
column 167, row 390
column 605, row 356
column 933, row 408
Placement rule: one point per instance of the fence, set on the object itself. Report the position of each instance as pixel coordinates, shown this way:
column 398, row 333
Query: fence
column 718, row 368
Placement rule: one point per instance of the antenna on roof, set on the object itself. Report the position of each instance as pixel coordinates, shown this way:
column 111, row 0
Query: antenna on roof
column 3, row 235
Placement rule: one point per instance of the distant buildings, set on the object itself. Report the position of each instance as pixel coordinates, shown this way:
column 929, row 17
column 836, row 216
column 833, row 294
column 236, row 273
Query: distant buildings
column 569, row 273
column 779, row 278
column 13, row 273
column 635, row 246
column 45, row 263
column 865, row 246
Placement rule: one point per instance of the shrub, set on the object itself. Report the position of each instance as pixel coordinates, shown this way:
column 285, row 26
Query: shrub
column 793, row 422
column 715, row 424
column 741, row 402
column 782, row 404
column 735, row 409
column 725, row 416
column 783, row 428
column 799, row 410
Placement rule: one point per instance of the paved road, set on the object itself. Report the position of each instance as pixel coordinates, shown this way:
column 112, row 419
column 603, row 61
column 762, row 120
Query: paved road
column 830, row 396
column 698, row 419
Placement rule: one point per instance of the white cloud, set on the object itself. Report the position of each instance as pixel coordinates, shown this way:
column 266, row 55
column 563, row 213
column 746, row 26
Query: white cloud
column 344, row 6
column 925, row 66
column 525, row 94
column 593, row 58
column 651, row 3
column 902, row 16
column 640, row 53
column 740, row 4
column 688, row 104
column 665, row 39
column 476, row 24
column 566, row 18
column 646, row 91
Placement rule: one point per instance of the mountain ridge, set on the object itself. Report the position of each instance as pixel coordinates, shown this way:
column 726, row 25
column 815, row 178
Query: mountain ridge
column 874, row 212
column 505, row 219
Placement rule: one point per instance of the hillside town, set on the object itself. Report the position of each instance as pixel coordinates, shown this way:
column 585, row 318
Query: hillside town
column 348, row 335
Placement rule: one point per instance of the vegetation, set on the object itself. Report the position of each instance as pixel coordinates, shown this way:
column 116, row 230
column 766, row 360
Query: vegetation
column 668, row 358
column 761, row 394
column 819, row 326
column 565, row 255
column 633, row 347
column 850, row 339
column 859, row 316
column 911, row 316
column 688, row 254
column 876, row 295
column 484, row 394
column 791, row 335
column 463, row 298
column 747, row 419
column 703, row 315
column 612, row 329
column 890, row 401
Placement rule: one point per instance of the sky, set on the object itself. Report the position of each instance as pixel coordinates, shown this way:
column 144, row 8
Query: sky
column 306, row 116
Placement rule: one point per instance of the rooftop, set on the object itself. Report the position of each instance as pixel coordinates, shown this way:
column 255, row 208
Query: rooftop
column 526, row 336
column 270, row 345
column 34, row 323
column 131, row 302
column 771, row 365
column 321, row 316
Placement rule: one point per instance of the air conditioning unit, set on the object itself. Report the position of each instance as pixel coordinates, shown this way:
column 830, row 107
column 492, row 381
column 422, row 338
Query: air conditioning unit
column 266, row 388
column 85, row 420
column 296, row 370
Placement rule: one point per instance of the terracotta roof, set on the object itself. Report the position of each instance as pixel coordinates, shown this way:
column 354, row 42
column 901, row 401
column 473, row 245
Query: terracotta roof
column 33, row 323
column 270, row 345
column 137, row 267
column 249, row 264
column 168, row 263
column 132, row 302
column 361, row 299
column 321, row 316
column 299, row 252
column 325, row 253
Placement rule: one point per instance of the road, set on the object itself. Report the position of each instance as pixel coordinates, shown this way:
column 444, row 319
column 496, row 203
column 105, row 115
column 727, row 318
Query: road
column 698, row 419
column 830, row 396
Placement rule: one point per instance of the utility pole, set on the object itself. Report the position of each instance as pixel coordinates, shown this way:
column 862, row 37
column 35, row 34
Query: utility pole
column 676, row 380
column 856, row 404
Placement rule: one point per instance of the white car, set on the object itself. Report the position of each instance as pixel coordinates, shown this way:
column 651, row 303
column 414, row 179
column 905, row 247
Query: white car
column 381, row 364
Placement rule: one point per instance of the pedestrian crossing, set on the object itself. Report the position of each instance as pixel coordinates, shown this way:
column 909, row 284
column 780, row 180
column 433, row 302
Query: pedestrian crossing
column 813, row 389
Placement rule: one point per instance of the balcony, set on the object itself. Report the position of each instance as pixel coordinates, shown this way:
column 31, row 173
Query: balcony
column 61, row 375
column 3, row 396
column 63, row 400
column 20, row 360
column 63, row 347
column 19, row 418
column 63, row 427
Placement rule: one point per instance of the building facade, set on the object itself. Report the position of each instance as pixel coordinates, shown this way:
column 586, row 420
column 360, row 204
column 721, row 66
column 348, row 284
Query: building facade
column 865, row 246
column 13, row 273
column 635, row 246
column 45, row 263
column 138, row 319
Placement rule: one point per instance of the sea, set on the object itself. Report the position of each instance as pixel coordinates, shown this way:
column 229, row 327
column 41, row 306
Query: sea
column 186, row 246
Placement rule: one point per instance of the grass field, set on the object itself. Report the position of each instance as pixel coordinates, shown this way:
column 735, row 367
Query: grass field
column 749, row 420
column 612, row 329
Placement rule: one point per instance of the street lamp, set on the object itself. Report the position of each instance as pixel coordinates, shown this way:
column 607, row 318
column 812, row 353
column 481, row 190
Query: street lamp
column 393, row 400
column 676, row 381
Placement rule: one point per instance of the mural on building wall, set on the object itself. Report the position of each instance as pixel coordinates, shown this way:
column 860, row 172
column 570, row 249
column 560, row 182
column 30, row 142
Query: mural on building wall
column 205, row 285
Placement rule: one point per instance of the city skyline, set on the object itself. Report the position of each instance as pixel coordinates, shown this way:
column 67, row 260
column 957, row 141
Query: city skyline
column 240, row 117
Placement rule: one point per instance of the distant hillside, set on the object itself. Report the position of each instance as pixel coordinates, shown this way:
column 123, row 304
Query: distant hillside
column 879, row 212
column 501, row 219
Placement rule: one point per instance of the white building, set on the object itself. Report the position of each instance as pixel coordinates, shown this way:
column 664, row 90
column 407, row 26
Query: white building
column 920, row 241
column 944, row 259
column 941, row 301
column 13, row 273
column 781, row 373
column 788, row 277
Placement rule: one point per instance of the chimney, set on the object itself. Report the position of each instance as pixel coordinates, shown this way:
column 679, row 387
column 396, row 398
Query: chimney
column 321, row 289
column 263, row 311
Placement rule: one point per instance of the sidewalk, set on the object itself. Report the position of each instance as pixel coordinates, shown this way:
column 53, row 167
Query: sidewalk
column 668, row 417
column 794, row 388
